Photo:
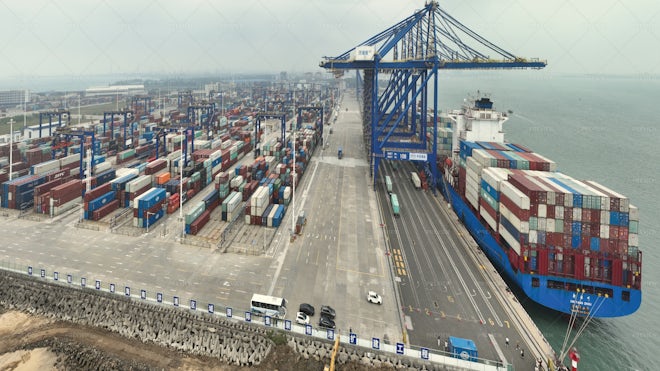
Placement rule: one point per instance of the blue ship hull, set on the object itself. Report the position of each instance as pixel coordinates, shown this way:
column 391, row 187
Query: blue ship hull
column 558, row 299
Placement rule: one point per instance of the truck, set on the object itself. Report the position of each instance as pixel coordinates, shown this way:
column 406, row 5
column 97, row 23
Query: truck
column 388, row 183
column 340, row 153
column 415, row 180
column 394, row 200
column 464, row 349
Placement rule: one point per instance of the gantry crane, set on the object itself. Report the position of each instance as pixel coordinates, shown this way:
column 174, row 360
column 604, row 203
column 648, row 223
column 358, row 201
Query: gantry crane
column 60, row 114
column 128, row 115
column 396, row 119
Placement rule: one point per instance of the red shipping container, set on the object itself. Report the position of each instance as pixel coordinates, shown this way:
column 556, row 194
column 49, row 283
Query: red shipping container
column 550, row 211
column 104, row 211
column 485, row 206
column 97, row 192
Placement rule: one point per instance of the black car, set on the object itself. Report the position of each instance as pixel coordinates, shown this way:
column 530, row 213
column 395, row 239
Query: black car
column 327, row 311
column 326, row 322
column 308, row 309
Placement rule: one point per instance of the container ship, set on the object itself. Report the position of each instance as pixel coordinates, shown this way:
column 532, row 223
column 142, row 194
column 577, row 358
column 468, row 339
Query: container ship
column 571, row 245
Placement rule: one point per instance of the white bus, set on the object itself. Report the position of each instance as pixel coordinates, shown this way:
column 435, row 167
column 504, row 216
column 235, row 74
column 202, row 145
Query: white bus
column 265, row 305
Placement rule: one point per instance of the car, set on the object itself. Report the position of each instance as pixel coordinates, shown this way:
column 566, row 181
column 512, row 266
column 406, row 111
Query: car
column 326, row 322
column 327, row 311
column 308, row 309
column 302, row 318
column 373, row 297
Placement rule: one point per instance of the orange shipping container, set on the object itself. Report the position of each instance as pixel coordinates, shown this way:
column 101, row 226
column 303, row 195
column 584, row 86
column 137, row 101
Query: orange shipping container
column 163, row 178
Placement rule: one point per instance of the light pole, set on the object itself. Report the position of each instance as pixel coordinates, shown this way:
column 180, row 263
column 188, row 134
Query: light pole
column 293, row 184
column 11, row 146
column 183, row 222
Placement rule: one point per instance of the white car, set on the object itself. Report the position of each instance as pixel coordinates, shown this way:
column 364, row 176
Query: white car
column 373, row 297
column 302, row 318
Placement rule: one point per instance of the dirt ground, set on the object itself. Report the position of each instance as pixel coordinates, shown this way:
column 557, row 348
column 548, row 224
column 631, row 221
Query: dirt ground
column 35, row 343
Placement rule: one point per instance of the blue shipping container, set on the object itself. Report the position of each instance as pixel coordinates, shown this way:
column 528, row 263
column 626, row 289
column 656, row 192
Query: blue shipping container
column 105, row 177
column 151, row 198
column 97, row 203
column 152, row 219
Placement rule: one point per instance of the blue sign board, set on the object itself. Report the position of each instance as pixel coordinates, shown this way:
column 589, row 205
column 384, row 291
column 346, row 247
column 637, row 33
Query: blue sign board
column 127, row 291
column 424, row 352
column 69, row 278
column 112, row 288
column 211, row 308
column 399, row 348
column 375, row 343
column 159, row 297
column 267, row 320
column 97, row 285
column 287, row 325
column 228, row 312
column 83, row 281
column 412, row 156
column 56, row 276
column 352, row 338
column 143, row 294
column 330, row 334
column 175, row 301
column 248, row 316
column 193, row 304
column 308, row 329
column 43, row 273
column 30, row 271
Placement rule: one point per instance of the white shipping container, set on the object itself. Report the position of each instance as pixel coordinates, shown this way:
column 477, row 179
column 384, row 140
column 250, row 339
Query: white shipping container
column 541, row 224
column 633, row 213
column 103, row 166
column 494, row 176
column 604, row 217
column 550, row 225
column 138, row 183
column 235, row 182
column 520, row 226
column 559, row 212
column 415, row 180
column 126, row 171
column 559, row 226
column 45, row 167
column 533, row 236
column 577, row 214
column 604, row 231
column 543, row 211
column 57, row 210
column 489, row 219
column 515, row 195
column 474, row 165
column 515, row 245
column 287, row 193
column 176, row 155
column 216, row 168
column 473, row 198
column 247, row 219
column 271, row 215
column 633, row 239
column 69, row 159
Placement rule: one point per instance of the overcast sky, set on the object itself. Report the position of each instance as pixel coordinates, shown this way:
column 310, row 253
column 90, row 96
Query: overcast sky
column 88, row 37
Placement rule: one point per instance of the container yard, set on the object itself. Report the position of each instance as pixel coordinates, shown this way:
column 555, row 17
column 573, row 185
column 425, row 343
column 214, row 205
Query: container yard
column 194, row 166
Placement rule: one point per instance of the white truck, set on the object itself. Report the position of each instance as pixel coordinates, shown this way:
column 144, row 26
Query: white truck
column 415, row 179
